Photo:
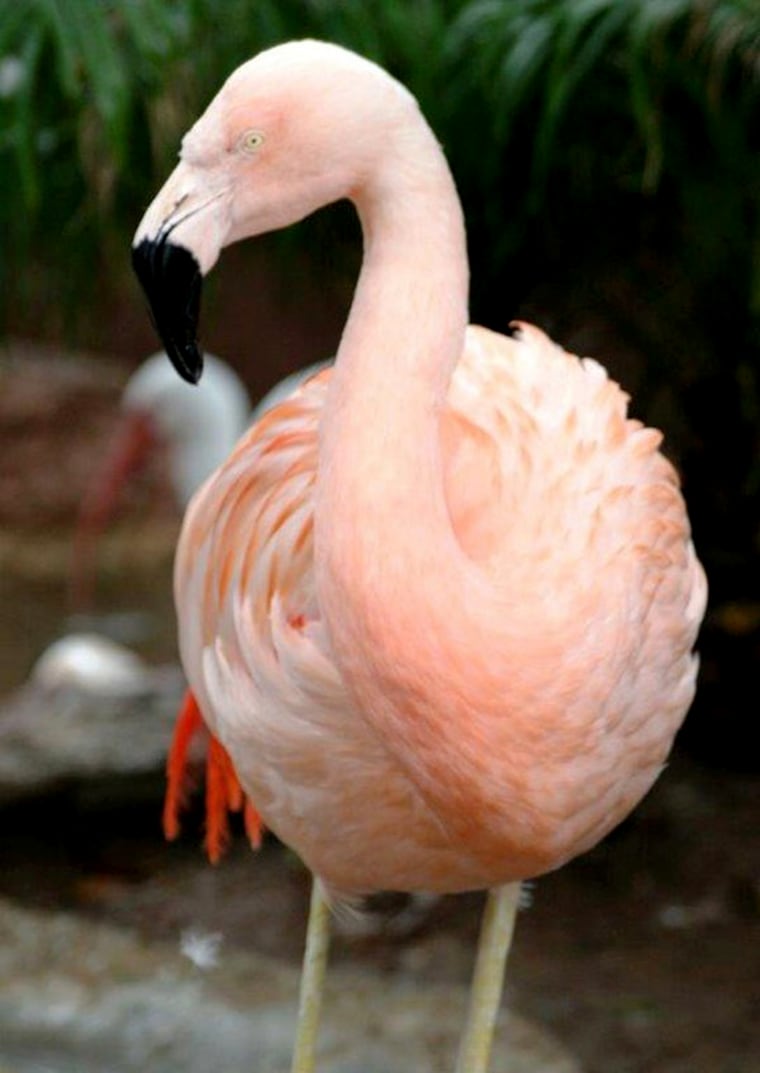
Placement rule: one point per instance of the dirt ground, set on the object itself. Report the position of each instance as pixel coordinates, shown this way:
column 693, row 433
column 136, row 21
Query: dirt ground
column 643, row 956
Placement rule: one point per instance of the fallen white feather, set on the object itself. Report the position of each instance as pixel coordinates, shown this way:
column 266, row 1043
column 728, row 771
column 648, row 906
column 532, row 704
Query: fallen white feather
column 201, row 947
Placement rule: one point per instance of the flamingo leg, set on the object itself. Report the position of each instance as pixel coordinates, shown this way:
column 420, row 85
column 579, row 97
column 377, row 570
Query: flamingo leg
column 488, row 978
column 312, row 981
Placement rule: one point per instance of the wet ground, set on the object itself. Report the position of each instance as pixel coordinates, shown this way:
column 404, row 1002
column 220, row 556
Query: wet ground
column 643, row 957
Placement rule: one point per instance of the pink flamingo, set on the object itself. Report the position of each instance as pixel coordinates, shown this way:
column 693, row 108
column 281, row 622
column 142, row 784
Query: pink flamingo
column 439, row 606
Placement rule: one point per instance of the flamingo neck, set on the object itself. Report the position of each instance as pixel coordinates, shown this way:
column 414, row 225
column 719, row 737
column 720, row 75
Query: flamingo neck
column 381, row 508
column 400, row 600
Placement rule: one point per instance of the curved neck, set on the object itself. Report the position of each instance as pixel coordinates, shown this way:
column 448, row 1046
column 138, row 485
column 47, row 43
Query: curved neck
column 403, row 606
column 381, row 509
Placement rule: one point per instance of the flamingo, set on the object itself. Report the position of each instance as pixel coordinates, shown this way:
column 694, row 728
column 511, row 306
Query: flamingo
column 438, row 608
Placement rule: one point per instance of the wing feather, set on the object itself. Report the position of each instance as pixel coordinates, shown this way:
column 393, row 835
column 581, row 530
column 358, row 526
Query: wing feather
column 553, row 488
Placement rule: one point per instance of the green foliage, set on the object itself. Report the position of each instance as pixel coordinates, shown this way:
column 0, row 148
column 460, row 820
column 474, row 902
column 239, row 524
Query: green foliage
column 586, row 100
column 544, row 106
column 82, row 92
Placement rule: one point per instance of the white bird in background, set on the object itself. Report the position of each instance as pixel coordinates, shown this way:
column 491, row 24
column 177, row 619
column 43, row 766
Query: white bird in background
column 196, row 427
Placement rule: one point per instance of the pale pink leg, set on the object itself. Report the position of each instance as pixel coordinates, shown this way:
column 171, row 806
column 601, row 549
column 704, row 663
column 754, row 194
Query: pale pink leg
column 312, row 981
column 488, row 978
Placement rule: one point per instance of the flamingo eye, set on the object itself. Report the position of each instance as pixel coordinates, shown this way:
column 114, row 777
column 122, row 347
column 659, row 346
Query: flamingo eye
column 250, row 141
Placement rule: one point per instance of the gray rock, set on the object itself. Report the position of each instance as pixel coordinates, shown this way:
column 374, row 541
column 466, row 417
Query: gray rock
column 76, row 997
column 90, row 708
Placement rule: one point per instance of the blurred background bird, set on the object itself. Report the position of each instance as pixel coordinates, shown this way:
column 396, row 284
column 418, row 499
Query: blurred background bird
column 194, row 430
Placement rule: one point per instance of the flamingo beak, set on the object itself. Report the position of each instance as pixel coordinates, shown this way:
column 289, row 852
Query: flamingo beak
column 176, row 244
column 171, row 278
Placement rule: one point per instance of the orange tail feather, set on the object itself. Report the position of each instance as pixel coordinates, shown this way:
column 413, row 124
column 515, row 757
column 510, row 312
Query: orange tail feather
column 254, row 828
column 189, row 723
column 224, row 794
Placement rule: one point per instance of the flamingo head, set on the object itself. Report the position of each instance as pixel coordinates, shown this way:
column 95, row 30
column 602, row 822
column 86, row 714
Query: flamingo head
column 299, row 126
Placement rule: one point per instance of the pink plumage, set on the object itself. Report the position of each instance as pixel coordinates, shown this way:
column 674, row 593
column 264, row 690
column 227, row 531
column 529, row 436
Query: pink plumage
column 583, row 516
column 439, row 605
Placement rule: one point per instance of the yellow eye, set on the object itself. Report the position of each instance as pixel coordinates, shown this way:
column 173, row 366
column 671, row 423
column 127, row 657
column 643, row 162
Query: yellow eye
column 251, row 141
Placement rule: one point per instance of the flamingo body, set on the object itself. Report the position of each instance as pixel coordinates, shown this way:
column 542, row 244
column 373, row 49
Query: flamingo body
column 438, row 607
column 580, row 496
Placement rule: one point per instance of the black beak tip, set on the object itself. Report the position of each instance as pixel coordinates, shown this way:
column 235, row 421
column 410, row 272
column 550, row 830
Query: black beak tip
column 171, row 278
column 187, row 358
